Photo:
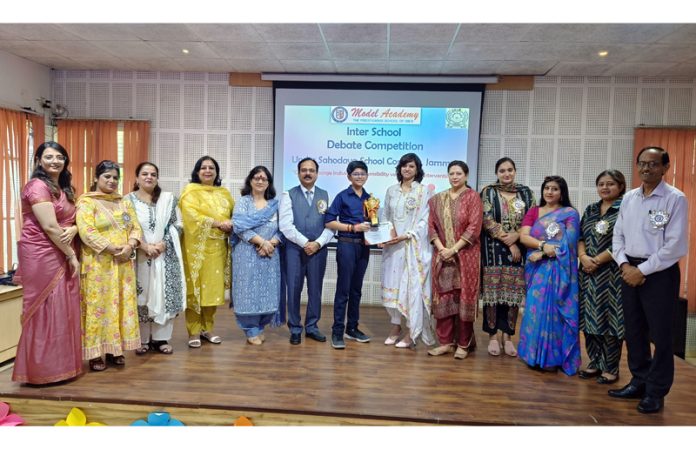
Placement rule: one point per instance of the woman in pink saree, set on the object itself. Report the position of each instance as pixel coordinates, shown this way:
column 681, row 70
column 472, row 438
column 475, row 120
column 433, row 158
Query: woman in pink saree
column 50, row 347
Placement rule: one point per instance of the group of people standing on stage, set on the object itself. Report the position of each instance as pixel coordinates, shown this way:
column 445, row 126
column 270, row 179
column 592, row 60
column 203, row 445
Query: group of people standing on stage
column 146, row 257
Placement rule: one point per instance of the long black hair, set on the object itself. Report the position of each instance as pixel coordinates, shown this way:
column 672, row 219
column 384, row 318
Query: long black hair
column 405, row 159
column 562, row 184
column 103, row 167
column 65, row 177
column 196, row 168
column 270, row 192
column 158, row 189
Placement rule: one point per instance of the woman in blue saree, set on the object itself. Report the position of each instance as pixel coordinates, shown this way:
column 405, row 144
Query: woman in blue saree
column 549, row 331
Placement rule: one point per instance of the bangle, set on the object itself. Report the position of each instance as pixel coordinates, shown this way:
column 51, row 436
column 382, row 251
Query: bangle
column 69, row 256
column 583, row 254
column 541, row 245
column 350, row 228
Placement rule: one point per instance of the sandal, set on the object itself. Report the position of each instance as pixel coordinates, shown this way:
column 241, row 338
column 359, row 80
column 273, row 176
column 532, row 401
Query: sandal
column 214, row 339
column 117, row 360
column 97, row 364
column 494, row 347
column 510, row 349
column 161, row 346
column 194, row 343
column 142, row 349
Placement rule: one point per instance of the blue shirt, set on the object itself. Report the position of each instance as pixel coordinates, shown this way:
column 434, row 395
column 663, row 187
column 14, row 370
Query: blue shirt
column 347, row 208
column 636, row 235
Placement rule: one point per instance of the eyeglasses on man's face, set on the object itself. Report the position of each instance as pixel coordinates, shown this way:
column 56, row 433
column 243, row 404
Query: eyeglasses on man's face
column 648, row 164
column 358, row 174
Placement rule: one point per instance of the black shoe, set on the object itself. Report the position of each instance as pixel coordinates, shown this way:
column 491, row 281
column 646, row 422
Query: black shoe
column 316, row 336
column 357, row 335
column 605, row 381
column 650, row 404
column 584, row 374
column 630, row 391
column 295, row 339
column 337, row 342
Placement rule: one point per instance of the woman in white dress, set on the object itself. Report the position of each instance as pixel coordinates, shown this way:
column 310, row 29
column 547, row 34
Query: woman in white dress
column 406, row 258
column 160, row 271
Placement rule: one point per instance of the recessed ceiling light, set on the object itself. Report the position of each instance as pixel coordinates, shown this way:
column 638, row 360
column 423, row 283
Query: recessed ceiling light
column 603, row 53
column 185, row 51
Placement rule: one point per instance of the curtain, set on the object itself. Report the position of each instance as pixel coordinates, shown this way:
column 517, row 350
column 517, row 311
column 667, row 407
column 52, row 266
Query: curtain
column 14, row 169
column 87, row 142
column 136, row 139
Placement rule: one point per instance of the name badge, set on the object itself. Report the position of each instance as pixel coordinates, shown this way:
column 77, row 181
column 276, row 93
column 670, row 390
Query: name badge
column 321, row 206
column 518, row 205
column 601, row 227
column 552, row 229
column 659, row 218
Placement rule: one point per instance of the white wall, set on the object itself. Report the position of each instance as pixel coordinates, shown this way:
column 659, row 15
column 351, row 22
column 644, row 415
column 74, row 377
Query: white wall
column 22, row 82
column 572, row 126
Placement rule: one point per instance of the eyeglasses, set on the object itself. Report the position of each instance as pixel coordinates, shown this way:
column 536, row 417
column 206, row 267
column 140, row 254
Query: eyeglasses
column 648, row 164
column 358, row 174
column 260, row 179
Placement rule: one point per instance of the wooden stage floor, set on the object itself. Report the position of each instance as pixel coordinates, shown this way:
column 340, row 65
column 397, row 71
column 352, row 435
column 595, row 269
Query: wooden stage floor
column 364, row 384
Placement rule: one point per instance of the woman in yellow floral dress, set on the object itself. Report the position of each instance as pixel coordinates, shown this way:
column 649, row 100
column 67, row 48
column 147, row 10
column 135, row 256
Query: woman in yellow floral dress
column 110, row 233
column 206, row 209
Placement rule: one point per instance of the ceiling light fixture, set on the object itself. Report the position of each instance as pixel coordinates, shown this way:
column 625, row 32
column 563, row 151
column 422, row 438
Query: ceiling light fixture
column 185, row 51
column 603, row 53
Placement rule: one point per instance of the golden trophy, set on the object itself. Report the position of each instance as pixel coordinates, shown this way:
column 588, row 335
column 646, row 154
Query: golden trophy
column 371, row 206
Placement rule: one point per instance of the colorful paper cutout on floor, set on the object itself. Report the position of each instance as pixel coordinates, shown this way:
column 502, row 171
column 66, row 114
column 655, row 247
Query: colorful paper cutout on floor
column 158, row 419
column 242, row 421
column 77, row 417
column 7, row 418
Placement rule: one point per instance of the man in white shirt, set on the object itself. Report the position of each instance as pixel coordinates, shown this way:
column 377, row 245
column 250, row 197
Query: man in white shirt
column 650, row 236
column 302, row 211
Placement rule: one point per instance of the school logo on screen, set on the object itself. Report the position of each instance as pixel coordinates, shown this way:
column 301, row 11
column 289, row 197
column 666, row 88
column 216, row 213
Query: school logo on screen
column 339, row 114
column 457, row 118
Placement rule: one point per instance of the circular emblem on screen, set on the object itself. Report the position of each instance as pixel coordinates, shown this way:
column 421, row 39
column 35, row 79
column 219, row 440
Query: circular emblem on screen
column 339, row 114
column 457, row 118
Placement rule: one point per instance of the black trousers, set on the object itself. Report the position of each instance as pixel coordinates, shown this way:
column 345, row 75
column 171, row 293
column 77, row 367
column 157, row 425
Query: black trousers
column 648, row 311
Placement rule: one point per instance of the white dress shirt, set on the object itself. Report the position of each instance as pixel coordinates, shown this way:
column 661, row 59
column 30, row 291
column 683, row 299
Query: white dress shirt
column 636, row 236
column 287, row 222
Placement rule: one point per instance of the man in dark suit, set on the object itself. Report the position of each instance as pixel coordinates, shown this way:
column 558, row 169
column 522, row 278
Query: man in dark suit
column 302, row 211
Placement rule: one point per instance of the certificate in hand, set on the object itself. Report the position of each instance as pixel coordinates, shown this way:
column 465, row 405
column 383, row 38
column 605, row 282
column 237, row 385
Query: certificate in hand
column 379, row 234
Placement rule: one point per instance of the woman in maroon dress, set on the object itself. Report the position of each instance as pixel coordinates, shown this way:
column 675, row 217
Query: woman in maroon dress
column 454, row 227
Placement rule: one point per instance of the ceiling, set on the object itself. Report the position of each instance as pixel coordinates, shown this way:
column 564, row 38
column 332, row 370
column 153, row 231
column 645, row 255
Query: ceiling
column 643, row 50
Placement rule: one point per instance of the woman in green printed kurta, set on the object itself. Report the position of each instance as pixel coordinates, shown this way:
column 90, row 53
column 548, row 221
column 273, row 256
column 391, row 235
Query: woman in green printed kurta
column 110, row 233
column 601, row 312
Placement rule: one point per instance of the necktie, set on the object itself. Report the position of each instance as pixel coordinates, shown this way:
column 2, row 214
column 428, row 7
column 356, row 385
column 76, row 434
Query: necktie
column 309, row 197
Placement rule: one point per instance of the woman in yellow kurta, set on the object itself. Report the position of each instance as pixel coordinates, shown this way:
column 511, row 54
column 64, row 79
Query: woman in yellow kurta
column 206, row 209
column 110, row 233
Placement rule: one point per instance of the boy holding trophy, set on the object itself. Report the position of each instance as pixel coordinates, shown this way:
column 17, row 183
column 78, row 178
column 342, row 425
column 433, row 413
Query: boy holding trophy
column 347, row 216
